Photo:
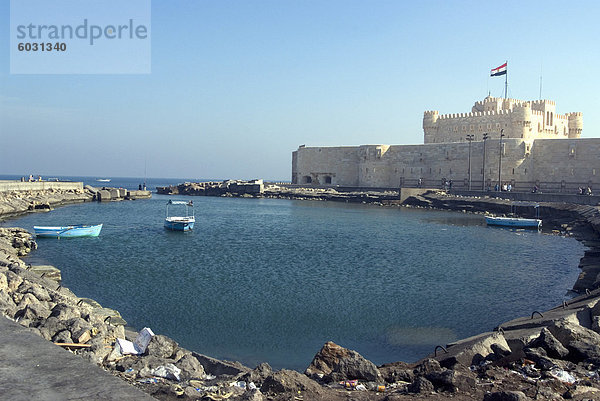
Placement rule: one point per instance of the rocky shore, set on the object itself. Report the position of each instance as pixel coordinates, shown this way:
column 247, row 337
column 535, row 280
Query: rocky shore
column 551, row 355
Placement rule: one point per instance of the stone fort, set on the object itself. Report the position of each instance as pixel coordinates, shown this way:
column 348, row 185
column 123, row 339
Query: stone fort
column 524, row 143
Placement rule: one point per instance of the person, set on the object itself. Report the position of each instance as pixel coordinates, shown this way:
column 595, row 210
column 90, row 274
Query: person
column 509, row 187
column 496, row 187
column 580, row 190
column 420, row 183
column 589, row 190
column 535, row 189
column 450, row 187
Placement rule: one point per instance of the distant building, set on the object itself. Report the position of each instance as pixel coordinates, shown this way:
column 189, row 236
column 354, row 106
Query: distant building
column 539, row 148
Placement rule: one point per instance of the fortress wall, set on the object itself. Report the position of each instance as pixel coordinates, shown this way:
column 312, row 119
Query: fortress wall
column 403, row 165
column 574, row 161
column 315, row 164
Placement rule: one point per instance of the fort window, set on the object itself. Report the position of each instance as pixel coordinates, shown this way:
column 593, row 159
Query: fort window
column 472, row 127
column 327, row 179
column 489, row 126
column 513, row 171
column 307, row 179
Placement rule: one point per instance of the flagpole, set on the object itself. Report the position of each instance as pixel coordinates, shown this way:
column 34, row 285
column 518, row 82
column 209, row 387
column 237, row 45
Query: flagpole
column 506, row 82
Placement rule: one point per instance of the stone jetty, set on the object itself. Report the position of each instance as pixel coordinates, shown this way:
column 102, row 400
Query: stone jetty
column 550, row 355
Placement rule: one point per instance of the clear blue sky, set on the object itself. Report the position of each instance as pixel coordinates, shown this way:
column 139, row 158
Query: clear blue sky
column 236, row 86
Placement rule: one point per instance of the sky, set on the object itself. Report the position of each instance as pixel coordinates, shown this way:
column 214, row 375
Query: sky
column 236, row 86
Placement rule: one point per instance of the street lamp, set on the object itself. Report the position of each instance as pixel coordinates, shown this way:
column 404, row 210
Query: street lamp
column 500, row 161
column 485, row 137
column 470, row 139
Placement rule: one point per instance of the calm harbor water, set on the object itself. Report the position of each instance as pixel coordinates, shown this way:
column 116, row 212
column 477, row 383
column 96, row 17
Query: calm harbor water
column 272, row 280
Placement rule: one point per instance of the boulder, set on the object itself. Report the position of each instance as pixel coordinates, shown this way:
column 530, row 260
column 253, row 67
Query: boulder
column 420, row 385
column 397, row 371
column 289, row 381
column 34, row 311
column 427, row 366
column 217, row 367
column 506, row 396
column 548, row 342
column 581, row 342
column 461, row 379
column 190, row 367
column 335, row 363
column 65, row 312
column 161, row 347
column 258, row 374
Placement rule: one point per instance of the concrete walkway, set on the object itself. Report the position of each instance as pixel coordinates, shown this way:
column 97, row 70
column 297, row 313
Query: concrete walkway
column 32, row 368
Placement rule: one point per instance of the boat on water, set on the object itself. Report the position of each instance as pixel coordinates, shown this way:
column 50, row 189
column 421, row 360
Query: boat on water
column 180, row 223
column 68, row 231
column 103, row 179
column 515, row 222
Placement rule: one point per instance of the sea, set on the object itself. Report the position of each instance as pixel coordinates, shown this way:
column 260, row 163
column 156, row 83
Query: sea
column 272, row 280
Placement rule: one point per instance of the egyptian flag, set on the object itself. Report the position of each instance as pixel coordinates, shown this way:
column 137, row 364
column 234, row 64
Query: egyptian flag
column 499, row 71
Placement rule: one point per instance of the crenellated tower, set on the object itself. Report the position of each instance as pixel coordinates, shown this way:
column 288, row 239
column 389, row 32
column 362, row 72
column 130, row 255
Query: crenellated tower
column 430, row 126
column 575, row 124
column 514, row 118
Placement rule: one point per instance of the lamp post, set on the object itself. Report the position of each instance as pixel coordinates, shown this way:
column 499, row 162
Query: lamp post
column 485, row 137
column 470, row 139
column 500, row 162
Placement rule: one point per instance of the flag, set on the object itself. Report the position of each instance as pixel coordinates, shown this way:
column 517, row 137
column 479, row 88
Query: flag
column 499, row 71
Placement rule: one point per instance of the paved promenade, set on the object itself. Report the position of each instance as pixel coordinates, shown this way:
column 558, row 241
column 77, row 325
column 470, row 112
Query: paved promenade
column 32, row 368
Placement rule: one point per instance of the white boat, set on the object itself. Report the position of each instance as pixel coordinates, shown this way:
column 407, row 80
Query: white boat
column 68, row 231
column 180, row 223
column 516, row 222
column 103, row 179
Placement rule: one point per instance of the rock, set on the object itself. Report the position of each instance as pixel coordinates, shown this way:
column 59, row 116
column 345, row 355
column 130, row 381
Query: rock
column 13, row 280
column 500, row 350
column 581, row 342
column 506, row 396
column 33, row 311
column 63, row 336
column 289, row 381
column 161, row 347
column 190, row 367
column 595, row 323
column 420, row 385
column 217, row 368
column 36, row 290
column 397, row 371
column 335, row 363
column 251, row 395
column 65, row 312
column 427, row 366
column 549, row 343
column 50, row 327
column 453, row 380
column 258, row 374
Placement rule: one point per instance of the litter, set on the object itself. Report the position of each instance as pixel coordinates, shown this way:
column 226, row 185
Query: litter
column 361, row 387
column 349, row 384
column 150, row 380
column 168, row 371
column 138, row 346
column 251, row 386
column 563, row 376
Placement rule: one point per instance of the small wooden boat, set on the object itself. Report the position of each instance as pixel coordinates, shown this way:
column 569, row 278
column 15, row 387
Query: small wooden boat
column 515, row 222
column 180, row 223
column 68, row 231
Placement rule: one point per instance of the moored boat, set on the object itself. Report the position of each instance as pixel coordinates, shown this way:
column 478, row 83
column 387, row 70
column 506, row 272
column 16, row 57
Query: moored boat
column 516, row 222
column 68, row 231
column 180, row 223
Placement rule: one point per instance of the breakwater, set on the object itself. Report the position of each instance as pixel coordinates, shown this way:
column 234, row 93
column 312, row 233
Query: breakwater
column 334, row 364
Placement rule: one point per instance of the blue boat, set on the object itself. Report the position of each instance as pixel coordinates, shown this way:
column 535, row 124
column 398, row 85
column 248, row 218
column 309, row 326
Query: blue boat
column 514, row 222
column 68, row 231
column 180, row 223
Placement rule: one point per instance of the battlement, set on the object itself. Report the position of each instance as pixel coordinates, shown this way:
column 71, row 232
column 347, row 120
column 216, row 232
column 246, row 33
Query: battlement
column 525, row 119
